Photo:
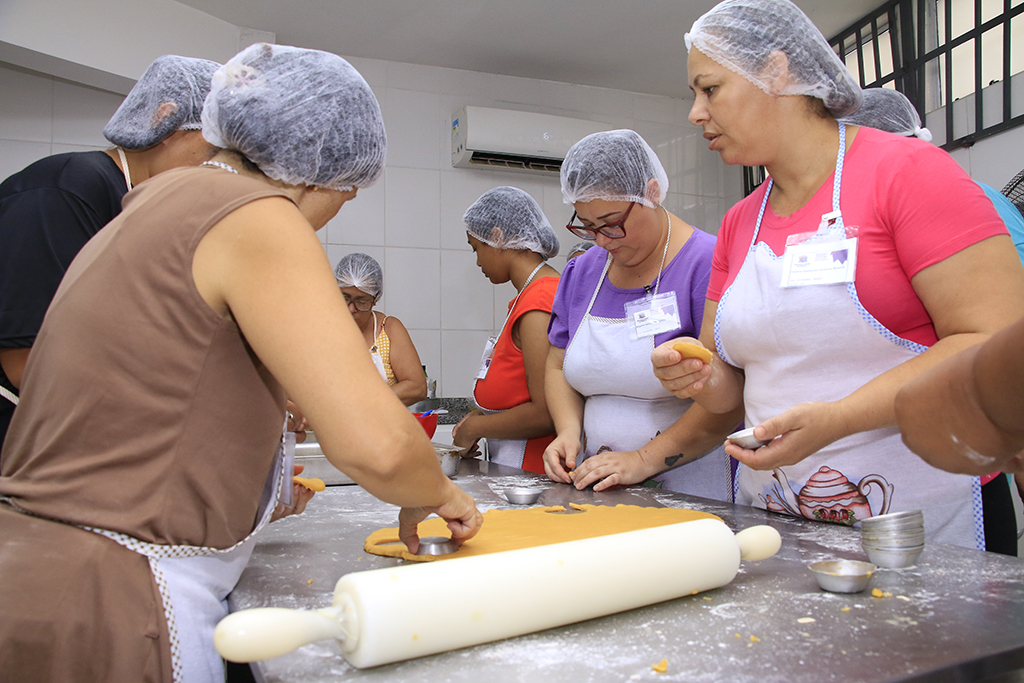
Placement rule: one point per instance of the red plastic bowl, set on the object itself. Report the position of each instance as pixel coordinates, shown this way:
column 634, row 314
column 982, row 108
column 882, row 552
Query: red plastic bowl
column 428, row 422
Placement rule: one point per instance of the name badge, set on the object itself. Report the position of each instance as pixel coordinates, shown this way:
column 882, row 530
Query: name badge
column 653, row 315
column 485, row 359
column 820, row 263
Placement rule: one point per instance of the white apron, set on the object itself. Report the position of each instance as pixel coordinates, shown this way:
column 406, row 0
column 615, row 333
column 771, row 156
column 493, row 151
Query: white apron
column 194, row 583
column 626, row 406
column 818, row 343
column 378, row 361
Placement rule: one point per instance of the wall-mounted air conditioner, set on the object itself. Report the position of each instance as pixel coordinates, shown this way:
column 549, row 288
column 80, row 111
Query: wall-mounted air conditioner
column 515, row 140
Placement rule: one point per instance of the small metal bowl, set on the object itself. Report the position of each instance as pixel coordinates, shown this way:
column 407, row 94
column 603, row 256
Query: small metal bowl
column 893, row 558
column 523, row 496
column 436, row 545
column 843, row 576
column 745, row 439
column 895, row 520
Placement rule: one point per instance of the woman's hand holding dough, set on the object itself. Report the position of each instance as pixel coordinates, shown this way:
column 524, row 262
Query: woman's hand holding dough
column 560, row 458
column 463, row 438
column 680, row 374
column 611, row 468
column 300, row 496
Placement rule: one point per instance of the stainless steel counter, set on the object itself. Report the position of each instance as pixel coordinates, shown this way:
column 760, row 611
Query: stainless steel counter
column 958, row 615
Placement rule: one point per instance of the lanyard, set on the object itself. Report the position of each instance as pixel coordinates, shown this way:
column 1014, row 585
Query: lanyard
column 519, row 294
column 124, row 169
column 836, row 214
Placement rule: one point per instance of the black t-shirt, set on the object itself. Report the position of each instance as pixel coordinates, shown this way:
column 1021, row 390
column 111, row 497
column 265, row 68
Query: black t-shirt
column 48, row 211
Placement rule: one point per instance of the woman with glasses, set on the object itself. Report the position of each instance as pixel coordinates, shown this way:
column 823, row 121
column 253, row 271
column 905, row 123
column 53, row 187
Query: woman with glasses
column 391, row 349
column 865, row 259
column 615, row 423
column 513, row 240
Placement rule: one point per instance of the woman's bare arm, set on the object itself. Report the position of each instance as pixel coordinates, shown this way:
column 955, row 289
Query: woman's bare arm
column 253, row 266
column 405, row 363
column 526, row 420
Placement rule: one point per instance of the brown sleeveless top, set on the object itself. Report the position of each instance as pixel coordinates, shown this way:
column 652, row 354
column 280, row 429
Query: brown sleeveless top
column 143, row 410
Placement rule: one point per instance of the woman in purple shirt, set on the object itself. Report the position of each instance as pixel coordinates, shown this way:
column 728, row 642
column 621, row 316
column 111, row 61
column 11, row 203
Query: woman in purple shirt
column 616, row 424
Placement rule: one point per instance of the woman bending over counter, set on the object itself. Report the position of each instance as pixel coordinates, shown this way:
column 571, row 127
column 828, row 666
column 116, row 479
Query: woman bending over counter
column 513, row 240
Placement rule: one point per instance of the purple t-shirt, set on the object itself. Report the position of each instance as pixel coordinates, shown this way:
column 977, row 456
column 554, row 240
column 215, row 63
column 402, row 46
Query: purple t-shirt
column 687, row 274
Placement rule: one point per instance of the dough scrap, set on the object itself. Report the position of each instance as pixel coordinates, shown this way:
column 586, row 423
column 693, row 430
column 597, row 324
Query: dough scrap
column 528, row 527
column 311, row 483
column 689, row 350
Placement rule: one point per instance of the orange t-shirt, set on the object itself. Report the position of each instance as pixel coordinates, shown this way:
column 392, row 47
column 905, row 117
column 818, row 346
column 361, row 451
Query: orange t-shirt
column 505, row 385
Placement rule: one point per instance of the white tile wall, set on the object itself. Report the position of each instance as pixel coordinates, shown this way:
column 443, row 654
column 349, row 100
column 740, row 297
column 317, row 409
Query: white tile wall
column 40, row 115
column 411, row 221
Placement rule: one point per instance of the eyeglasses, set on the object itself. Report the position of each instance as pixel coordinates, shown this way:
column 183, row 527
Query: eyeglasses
column 362, row 303
column 615, row 230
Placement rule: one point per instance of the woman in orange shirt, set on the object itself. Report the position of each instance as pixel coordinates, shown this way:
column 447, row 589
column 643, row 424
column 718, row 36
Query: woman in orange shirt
column 513, row 241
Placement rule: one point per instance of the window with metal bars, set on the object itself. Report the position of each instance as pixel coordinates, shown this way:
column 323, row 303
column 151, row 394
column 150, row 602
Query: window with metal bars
column 966, row 56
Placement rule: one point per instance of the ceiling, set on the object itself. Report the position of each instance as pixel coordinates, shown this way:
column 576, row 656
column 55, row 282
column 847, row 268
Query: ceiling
column 632, row 45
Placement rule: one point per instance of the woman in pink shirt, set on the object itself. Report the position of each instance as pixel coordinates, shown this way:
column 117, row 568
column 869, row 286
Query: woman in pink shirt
column 865, row 259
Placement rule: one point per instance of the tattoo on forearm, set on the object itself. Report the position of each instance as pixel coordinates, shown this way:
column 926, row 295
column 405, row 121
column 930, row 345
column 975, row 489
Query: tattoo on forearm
column 673, row 460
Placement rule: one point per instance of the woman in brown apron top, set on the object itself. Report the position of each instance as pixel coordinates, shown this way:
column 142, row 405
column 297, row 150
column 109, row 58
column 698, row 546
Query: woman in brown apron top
column 145, row 451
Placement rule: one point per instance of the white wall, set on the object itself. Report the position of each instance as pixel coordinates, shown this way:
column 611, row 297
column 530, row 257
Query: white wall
column 411, row 221
column 109, row 43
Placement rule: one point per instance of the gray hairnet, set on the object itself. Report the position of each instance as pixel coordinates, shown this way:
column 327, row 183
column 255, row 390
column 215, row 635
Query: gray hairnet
column 888, row 110
column 614, row 165
column 362, row 272
column 180, row 83
column 742, row 34
column 579, row 248
column 304, row 117
column 508, row 218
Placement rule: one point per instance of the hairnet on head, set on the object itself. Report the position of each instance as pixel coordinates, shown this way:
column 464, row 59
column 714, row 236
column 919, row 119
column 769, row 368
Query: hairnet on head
column 742, row 34
column 579, row 248
column 304, row 117
column 167, row 97
column 888, row 110
column 614, row 165
column 508, row 218
column 362, row 272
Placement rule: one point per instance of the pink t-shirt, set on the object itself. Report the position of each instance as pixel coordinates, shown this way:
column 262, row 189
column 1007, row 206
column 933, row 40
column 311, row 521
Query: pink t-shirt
column 913, row 206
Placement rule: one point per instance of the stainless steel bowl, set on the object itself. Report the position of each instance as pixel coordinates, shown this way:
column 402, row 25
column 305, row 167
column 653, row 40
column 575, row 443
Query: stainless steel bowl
column 893, row 558
column 902, row 519
column 745, row 439
column 523, row 496
column 843, row 576
column 906, row 540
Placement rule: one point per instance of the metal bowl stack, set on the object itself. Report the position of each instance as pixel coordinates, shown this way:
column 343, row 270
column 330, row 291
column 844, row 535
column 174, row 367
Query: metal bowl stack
column 894, row 540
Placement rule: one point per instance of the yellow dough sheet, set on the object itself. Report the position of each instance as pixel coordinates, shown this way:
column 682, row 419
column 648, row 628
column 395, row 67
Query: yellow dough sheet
column 528, row 527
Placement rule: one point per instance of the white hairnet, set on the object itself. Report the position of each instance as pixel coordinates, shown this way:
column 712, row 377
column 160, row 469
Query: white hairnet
column 167, row 97
column 742, row 34
column 579, row 248
column 888, row 110
column 508, row 218
column 362, row 272
column 614, row 165
column 304, row 117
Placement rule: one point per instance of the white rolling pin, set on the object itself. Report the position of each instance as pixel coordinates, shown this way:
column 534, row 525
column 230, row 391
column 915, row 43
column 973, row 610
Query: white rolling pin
column 388, row 615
